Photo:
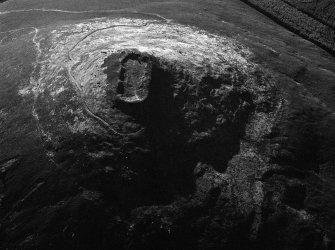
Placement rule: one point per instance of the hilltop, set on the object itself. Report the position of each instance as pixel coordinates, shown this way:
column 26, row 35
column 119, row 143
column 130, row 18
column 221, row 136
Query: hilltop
column 137, row 124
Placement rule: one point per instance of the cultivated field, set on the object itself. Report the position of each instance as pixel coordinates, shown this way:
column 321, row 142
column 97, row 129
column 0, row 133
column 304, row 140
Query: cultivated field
column 320, row 32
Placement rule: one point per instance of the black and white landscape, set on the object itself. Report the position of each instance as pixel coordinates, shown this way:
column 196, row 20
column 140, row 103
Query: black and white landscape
column 142, row 124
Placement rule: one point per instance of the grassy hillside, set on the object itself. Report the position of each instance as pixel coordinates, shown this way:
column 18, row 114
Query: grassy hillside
column 297, row 21
column 61, row 188
column 76, row 5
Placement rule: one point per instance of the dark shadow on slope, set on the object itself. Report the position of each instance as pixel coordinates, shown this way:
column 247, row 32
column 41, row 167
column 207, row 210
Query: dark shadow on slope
column 185, row 123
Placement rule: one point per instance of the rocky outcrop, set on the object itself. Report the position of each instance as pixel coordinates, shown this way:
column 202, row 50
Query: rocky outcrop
column 187, row 170
column 157, row 147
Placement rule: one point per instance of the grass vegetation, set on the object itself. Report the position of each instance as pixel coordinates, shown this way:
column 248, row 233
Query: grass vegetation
column 46, row 201
column 299, row 22
column 323, row 10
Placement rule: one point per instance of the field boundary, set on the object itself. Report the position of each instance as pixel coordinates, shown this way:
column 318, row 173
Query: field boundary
column 298, row 22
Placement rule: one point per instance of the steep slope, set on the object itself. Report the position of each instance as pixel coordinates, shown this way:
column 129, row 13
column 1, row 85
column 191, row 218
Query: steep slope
column 209, row 127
